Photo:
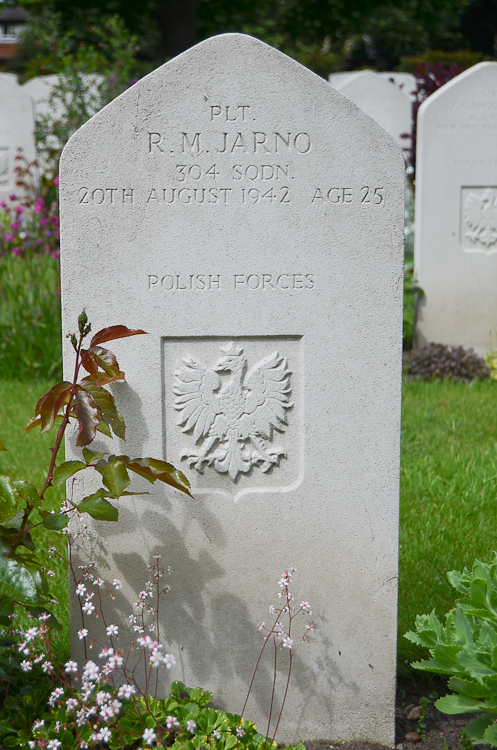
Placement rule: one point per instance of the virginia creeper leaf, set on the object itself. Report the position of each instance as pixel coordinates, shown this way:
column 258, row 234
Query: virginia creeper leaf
column 114, row 474
column 8, row 499
column 105, row 402
column 88, row 361
column 106, row 360
column 2, row 446
column 28, row 493
column 87, row 415
column 102, row 378
column 104, row 428
column 66, row 470
column 112, row 333
column 153, row 469
column 98, row 507
column 32, row 423
column 55, row 398
column 90, row 455
column 16, row 582
column 55, row 521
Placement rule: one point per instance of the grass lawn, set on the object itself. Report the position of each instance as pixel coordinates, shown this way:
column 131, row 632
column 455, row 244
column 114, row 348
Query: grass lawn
column 28, row 458
column 448, row 485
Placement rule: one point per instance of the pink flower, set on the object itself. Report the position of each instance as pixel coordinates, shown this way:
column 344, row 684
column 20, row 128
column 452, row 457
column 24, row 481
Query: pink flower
column 17, row 251
column 3, row 204
column 12, row 197
column 15, row 225
column 9, row 237
column 56, row 180
column 19, row 209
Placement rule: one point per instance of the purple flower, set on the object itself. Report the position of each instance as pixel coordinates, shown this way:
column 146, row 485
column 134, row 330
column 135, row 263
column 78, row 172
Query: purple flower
column 56, row 180
column 19, row 209
column 16, row 251
column 15, row 225
column 9, row 237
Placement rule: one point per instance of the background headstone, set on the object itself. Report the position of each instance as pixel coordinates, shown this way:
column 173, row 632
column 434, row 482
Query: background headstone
column 16, row 131
column 405, row 82
column 335, row 78
column 12, row 77
column 39, row 89
column 456, row 211
column 382, row 101
column 235, row 205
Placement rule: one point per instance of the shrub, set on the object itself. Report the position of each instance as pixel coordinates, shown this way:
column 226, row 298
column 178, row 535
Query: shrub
column 438, row 361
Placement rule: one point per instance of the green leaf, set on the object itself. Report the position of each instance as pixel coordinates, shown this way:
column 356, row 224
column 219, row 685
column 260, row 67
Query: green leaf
column 458, row 704
column 490, row 735
column 153, row 469
column 114, row 473
column 55, row 522
column 66, row 470
column 87, row 415
column 8, row 499
column 471, row 688
column 16, row 582
column 90, row 455
column 98, row 507
column 105, row 402
column 476, row 729
column 28, row 493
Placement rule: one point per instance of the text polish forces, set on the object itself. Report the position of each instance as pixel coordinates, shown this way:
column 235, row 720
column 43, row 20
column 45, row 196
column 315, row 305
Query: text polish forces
column 214, row 282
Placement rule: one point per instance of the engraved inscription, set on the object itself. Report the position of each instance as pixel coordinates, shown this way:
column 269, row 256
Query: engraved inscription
column 233, row 421
column 343, row 195
column 479, row 218
column 208, row 282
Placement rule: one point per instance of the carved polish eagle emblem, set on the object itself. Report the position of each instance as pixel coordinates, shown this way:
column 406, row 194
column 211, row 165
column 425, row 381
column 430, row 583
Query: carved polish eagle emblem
column 232, row 420
column 480, row 215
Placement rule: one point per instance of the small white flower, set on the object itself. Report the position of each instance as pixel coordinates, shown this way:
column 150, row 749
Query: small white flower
column 169, row 661
column 54, row 696
column 82, row 633
column 71, row 704
column 104, row 735
column 287, row 642
column 51, row 573
column 81, row 718
column 38, row 724
column 91, row 671
column 31, row 745
column 31, row 634
column 47, row 666
column 105, row 653
column 191, row 726
column 261, row 625
column 102, row 697
column 172, row 722
column 70, row 666
column 117, row 584
column 271, row 609
column 44, row 616
column 99, row 582
column 80, row 589
column 240, row 732
column 115, row 662
column 149, row 736
column 216, row 734
column 106, row 713
column 132, row 618
column 26, row 666
column 138, row 629
column 112, row 630
column 126, row 691
column 88, row 608
column 54, row 744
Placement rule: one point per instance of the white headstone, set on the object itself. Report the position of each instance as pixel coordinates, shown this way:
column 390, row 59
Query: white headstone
column 381, row 101
column 456, row 211
column 405, row 82
column 335, row 78
column 39, row 89
column 244, row 213
column 12, row 77
column 16, row 131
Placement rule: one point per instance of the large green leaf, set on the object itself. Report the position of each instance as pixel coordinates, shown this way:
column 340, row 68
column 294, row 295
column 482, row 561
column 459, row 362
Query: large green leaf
column 490, row 735
column 90, row 455
column 8, row 499
column 471, row 688
column 153, row 469
column 98, row 507
column 114, row 473
column 66, row 470
column 458, row 704
column 16, row 582
column 56, row 521
column 476, row 729
column 27, row 492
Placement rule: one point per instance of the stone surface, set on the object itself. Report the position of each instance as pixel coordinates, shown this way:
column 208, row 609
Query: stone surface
column 405, row 82
column 39, row 89
column 335, row 78
column 16, row 131
column 456, row 212
column 243, row 212
column 382, row 101
column 12, row 77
